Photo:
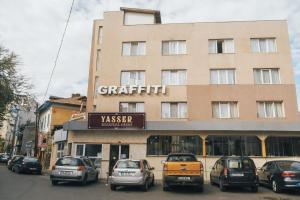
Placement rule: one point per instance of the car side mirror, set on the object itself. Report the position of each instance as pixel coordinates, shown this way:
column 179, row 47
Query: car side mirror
column 212, row 168
column 152, row 168
column 259, row 169
column 163, row 162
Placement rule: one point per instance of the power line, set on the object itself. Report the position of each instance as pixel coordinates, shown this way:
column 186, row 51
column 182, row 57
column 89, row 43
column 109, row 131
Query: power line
column 58, row 52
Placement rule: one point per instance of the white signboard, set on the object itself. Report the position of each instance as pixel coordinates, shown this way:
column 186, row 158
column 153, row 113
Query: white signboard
column 60, row 135
column 128, row 90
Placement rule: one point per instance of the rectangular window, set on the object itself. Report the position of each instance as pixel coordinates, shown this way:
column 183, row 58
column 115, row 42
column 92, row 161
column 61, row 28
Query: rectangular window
column 134, row 48
column 174, row 47
column 98, row 59
column 60, row 149
column 222, row 76
column 225, row 109
column 133, row 78
column 90, row 150
column 266, row 76
column 100, row 35
column 270, row 109
column 96, row 85
column 163, row 145
column 221, row 46
column 174, row 110
column 132, row 107
column 174, row 77
column 263, row 45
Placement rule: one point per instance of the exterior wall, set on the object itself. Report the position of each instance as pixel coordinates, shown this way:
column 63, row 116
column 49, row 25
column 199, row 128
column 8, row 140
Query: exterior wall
column 138, row 146
column 62, row 114
column 197, row 61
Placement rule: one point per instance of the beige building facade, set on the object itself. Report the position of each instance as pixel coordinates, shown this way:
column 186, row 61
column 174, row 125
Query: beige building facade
column 225, row 88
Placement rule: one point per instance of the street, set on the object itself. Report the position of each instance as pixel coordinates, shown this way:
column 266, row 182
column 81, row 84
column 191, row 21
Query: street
column 34, row 187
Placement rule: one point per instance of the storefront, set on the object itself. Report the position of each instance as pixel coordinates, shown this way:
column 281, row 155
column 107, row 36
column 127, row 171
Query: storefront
column 209, row 141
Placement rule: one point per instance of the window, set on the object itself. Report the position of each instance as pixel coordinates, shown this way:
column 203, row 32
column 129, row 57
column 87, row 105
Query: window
column 266, row 76
column 163, row 145
column 174, row 110
column 221, row 46
column 270, row 109
column 174, row 47
column 225, row 109
column 174, row 77
column 131, row 107
column 60, row 149
column 283, row 146
column 98, row 59
column 233, row 145
column 132, row 78
column 90, row 150
column 100, row 35
column 97, row 84
column 222, row 76
column 134, row 48
column 263, row 45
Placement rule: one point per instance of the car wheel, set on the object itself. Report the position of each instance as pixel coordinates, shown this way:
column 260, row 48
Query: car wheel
column 39, row 173
column 200, row 188
column 275, row 187
column 17, row 170
column 54, row 182
column 113, row 187
column 165, row 187
column 221, row 185
column 254, row 189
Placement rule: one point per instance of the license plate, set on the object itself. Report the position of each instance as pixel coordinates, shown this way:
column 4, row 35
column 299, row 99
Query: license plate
column 237, row 174
column 184, row 178
column 124, row 174
column 65, row 173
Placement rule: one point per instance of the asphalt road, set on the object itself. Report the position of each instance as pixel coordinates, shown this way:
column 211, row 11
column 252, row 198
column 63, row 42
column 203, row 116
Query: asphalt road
column 34, row 187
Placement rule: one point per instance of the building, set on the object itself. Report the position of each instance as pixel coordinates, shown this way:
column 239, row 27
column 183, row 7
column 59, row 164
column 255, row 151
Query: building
column 52, row 115
column 210, row 88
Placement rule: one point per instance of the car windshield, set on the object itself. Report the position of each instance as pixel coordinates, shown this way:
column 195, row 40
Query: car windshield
column 69, row 162
column 181, row 158
column 240, row 164
column 128, row 164
column 30, row 159
column 289, row 165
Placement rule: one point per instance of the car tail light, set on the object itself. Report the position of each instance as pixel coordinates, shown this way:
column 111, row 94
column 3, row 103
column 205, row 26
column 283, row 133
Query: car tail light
column 288, row 174
column 80, row 168
column 225, row 171
column 53, row 167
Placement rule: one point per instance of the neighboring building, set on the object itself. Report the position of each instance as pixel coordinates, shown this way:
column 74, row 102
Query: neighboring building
column 28, row 140
column 52, row 115
column 211, row 88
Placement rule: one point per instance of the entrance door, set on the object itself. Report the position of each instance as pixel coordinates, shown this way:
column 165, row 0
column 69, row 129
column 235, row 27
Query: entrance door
column 117, row 152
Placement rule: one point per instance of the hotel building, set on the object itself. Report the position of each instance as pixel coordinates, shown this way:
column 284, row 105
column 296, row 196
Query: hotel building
column 209, row 88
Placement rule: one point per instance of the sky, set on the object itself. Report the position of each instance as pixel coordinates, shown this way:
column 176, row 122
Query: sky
column 33, row 30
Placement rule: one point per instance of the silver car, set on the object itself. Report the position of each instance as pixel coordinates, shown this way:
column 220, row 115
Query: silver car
column 73, row 169
column 132, row 173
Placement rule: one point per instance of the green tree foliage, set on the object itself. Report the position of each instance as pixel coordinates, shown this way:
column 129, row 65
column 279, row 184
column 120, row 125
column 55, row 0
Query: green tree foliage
column 12, row 83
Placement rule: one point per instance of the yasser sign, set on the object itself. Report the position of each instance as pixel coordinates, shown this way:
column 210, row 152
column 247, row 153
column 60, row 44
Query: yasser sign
column 116, row 120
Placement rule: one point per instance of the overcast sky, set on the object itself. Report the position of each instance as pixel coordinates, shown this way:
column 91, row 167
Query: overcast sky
column 33, row 29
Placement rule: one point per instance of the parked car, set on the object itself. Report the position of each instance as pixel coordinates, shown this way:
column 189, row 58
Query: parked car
column 4, row 158
column 280, row 175
column 27, row 165
column 130, row 172
column 73, row 169
column 182, row 169
column 11, row 161
column 234, row 171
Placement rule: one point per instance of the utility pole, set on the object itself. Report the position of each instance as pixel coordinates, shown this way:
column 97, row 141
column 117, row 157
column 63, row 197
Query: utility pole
column 36, row 129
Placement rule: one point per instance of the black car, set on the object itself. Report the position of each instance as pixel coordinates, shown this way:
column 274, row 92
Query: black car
column 11, row 161
column 27, row 165
column 280, row 175
column 234, row 171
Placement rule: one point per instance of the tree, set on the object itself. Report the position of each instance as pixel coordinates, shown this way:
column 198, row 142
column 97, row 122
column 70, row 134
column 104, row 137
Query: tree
column 12, row 83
